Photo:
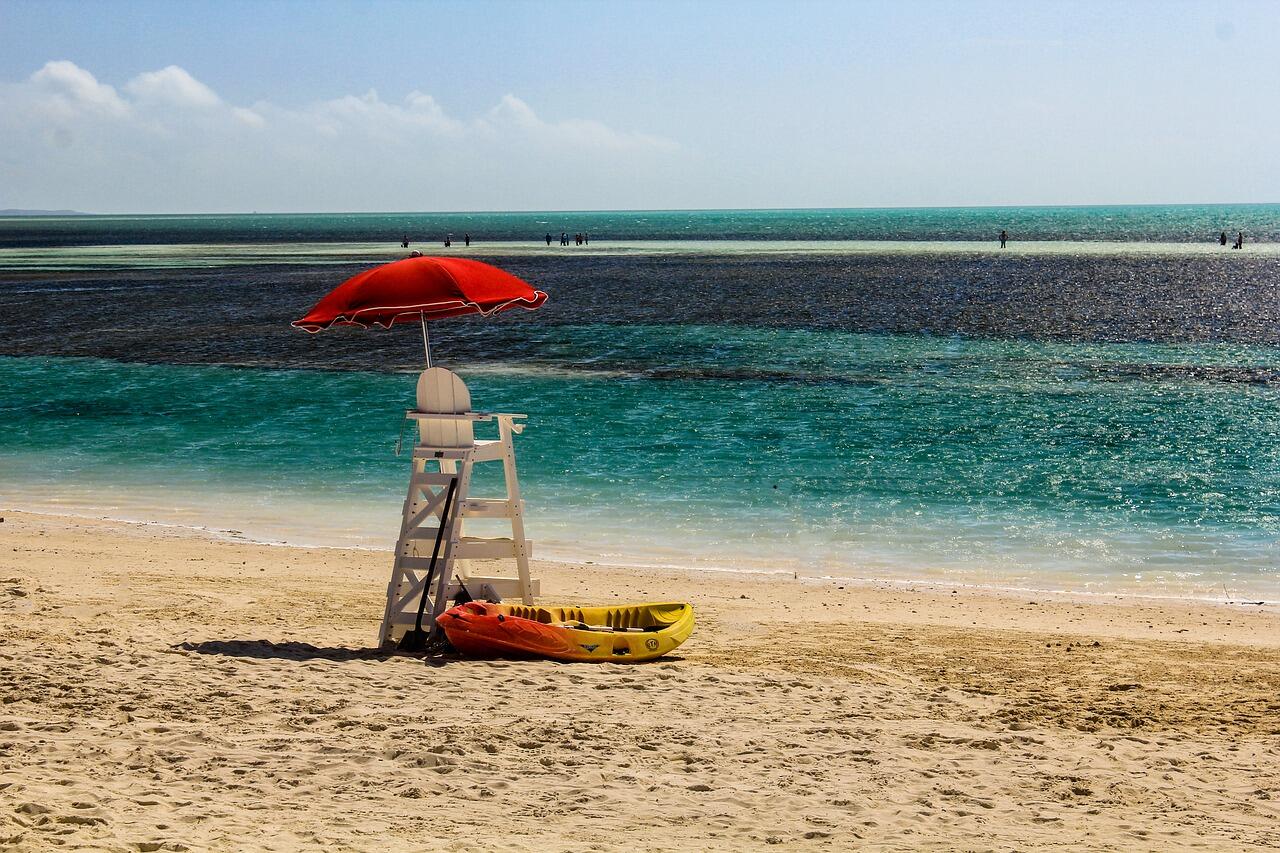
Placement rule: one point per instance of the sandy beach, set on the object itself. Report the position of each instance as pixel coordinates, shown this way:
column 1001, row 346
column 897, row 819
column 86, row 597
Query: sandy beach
column 168, row 690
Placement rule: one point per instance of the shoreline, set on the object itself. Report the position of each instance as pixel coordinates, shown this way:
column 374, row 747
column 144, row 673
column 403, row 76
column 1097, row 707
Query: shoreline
column 234, row 536
column 1000, row 598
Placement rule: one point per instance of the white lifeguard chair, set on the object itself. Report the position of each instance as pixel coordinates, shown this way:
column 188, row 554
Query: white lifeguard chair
column 442, row 460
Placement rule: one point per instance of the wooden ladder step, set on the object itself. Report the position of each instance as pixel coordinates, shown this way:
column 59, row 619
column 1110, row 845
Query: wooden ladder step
column 485, row 548
column 420, row 535
column 466, row 548
column 430, row 478
column 490, row 508
column 418, row 564
column 505, row 587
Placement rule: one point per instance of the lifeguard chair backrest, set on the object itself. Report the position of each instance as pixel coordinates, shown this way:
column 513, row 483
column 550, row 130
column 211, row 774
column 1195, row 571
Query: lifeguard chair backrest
column 443, row 392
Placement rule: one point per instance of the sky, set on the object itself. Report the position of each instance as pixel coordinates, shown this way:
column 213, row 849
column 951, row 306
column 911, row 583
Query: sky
column 179, row 107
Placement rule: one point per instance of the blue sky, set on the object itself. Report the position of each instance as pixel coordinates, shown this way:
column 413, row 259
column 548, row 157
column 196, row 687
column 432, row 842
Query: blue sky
column 451, row 106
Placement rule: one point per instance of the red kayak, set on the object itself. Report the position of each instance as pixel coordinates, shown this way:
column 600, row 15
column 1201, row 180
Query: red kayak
column 629, row 632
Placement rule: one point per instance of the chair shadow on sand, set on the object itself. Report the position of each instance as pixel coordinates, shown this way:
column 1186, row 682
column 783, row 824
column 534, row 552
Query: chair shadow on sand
column 295, row 651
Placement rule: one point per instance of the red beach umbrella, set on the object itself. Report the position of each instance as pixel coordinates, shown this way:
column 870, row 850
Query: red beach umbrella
column 421, row 289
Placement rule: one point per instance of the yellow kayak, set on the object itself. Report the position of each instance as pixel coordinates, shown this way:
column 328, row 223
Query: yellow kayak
column 631, row 632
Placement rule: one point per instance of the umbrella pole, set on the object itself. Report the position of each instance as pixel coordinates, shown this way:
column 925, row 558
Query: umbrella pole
column 426, row 342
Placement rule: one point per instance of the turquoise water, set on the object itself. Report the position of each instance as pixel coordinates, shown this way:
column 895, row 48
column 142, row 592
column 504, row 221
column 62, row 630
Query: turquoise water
column 843, row 393
column 1104, row 467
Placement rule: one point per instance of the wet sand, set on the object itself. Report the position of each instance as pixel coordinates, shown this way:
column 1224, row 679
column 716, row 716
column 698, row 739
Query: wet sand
column 165, row 690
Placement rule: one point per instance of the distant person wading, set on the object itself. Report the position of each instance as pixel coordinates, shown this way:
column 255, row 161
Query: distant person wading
column 1004, row 238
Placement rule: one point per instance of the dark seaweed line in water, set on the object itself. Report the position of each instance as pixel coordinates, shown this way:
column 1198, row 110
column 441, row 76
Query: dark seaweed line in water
column 1265, row 376
column 241, row 316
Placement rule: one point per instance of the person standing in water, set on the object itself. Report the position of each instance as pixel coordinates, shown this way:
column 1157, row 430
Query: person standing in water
column 1222, row 241
column 1004, row 238
column 466, row 239
column 1239, row 241
column 404, row 241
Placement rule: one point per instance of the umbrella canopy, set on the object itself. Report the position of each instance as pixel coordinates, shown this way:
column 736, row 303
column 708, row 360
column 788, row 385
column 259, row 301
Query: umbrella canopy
column 423, row 288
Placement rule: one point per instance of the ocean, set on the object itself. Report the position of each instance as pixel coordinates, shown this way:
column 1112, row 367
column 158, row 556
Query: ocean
column 835, row 394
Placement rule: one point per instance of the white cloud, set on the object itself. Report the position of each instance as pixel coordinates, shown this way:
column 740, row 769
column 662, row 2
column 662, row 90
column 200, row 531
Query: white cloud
column 65, row 89
column 512, row 110
column 513, row 113
column 172, row 85
column 169, row 142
